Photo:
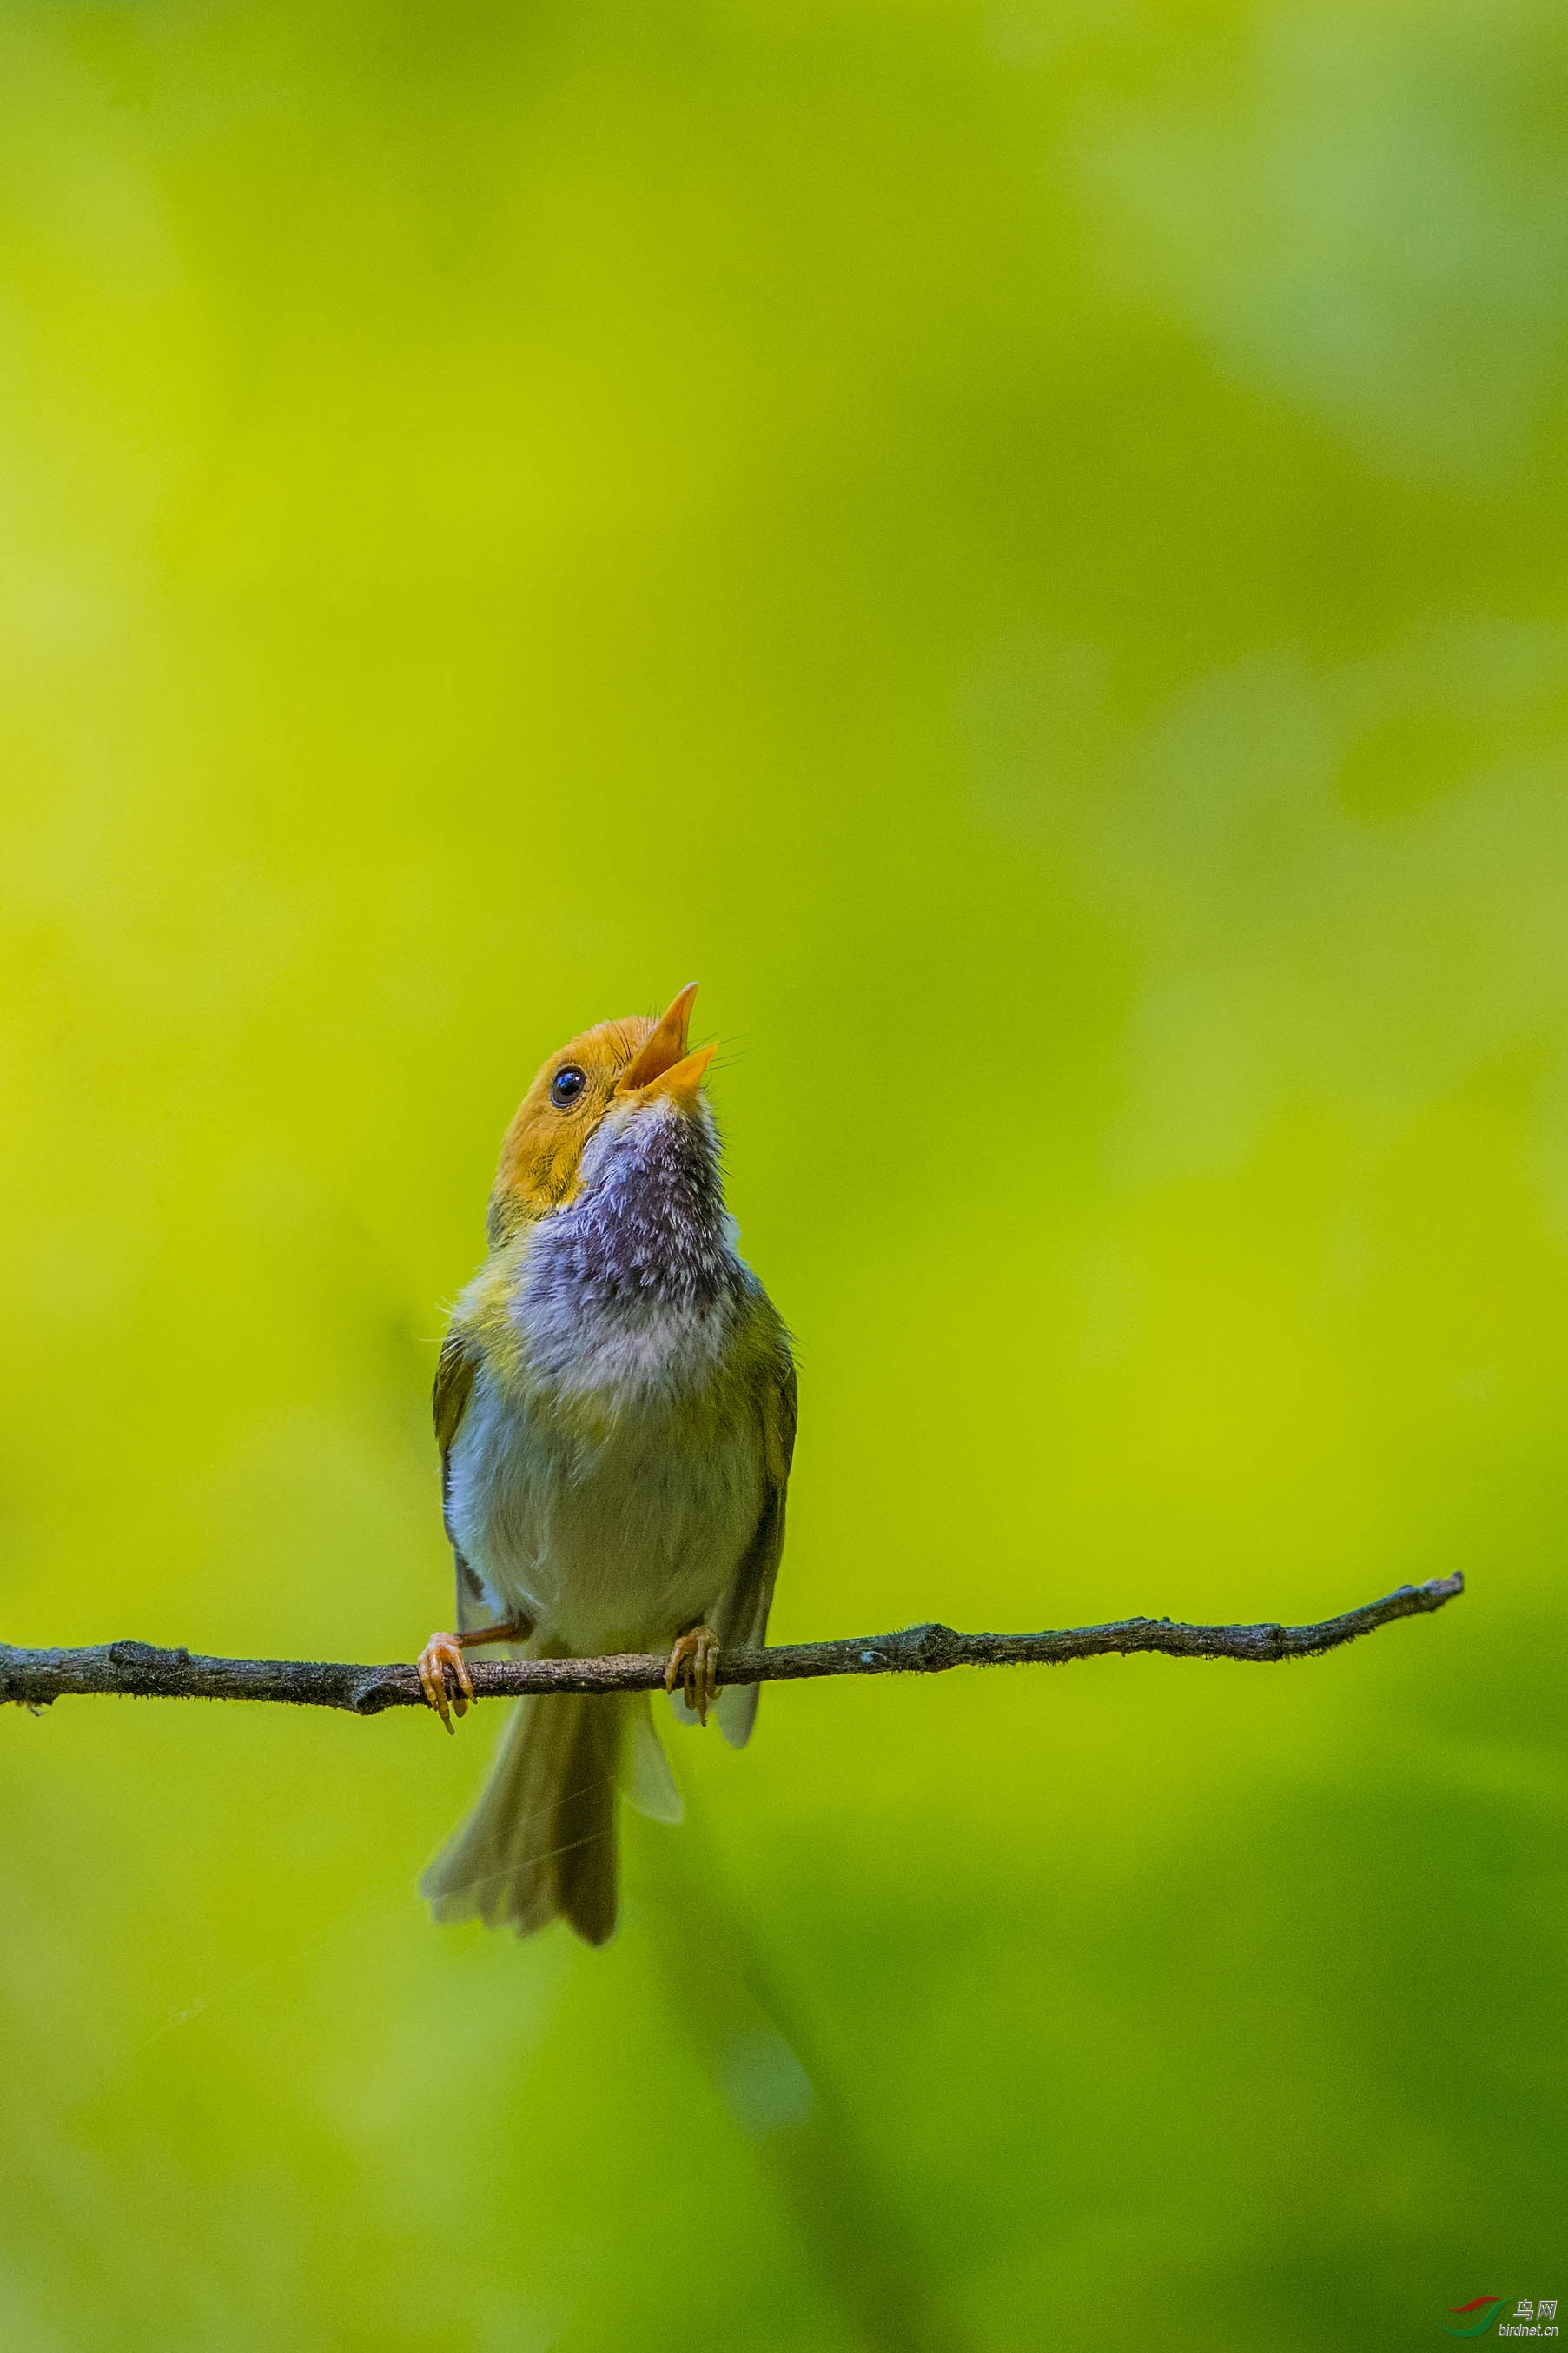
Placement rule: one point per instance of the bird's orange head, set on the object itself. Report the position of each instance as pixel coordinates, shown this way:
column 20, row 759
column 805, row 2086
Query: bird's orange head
column 617, row 1063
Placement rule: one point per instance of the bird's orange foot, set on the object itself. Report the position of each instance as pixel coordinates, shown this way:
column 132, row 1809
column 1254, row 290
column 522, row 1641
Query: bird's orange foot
column 445, row 1677
column 694, row 1664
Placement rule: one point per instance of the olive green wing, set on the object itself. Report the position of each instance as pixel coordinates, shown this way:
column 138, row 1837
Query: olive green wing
column 743, row 1615
column 454, row 1386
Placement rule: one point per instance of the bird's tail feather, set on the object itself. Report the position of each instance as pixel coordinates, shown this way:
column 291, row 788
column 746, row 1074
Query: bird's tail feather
column 647, row 1782
column 540, row 1844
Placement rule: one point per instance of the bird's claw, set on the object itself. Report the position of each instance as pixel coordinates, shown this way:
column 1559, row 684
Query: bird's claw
column 694, row 1664
column 444, row 1676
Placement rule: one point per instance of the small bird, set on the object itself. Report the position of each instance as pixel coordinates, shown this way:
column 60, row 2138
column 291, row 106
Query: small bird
column 616, row 1410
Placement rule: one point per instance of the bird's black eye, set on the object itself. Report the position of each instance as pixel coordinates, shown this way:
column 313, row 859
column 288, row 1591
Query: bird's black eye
column 567, row 1085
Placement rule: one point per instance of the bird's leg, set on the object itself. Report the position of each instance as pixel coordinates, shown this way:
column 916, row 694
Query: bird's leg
column 443, row 1671
column 694, row 1664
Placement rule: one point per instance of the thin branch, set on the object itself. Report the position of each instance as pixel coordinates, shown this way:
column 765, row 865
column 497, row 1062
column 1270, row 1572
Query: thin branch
column 35, row 1678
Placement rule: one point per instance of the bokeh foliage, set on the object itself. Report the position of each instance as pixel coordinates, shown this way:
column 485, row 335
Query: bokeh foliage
column 1021, row 545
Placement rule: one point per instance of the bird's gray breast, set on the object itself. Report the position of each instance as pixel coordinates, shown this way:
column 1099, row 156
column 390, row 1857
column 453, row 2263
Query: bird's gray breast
column 612, row 1492
column 607, row 1530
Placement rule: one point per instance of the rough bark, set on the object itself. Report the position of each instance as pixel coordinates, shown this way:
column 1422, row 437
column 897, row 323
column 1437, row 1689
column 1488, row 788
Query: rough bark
column 35, row 1678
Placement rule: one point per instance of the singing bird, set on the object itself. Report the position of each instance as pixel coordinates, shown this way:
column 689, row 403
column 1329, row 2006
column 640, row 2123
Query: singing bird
column 615, row 1408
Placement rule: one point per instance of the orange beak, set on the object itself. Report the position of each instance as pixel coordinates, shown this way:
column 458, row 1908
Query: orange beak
column 665, row 1050
column 680, row 1083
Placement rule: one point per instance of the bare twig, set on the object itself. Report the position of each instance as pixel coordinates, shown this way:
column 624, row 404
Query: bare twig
column 35, row 1678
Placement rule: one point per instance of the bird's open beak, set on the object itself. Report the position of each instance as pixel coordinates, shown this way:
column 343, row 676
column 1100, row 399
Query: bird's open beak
column 679, row 1084
column 665, row 1052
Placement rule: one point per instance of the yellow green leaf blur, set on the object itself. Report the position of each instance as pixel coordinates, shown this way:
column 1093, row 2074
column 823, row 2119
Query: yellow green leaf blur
column 1020, row 542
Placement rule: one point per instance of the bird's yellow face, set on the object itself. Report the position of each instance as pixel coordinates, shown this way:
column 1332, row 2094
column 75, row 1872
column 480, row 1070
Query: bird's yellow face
column 617, row 1063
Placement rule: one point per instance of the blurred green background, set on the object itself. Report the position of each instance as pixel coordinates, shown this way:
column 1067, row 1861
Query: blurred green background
column 1022, row 544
